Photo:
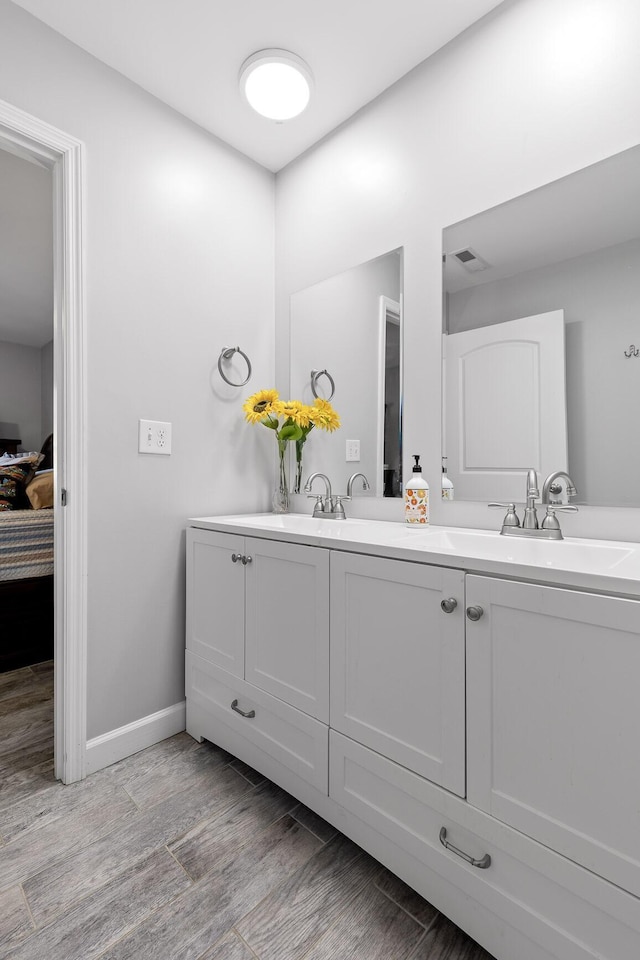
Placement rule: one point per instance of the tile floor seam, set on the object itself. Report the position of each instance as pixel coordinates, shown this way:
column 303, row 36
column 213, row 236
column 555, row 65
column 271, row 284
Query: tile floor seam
column 26, row 903
column 428, row 926
column 414, row 953
column 181, row 865
column 136, row 805
column 243, row 941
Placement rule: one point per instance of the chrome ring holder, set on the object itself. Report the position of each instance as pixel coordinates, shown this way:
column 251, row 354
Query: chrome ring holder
column 226, row 354
column 315, row 376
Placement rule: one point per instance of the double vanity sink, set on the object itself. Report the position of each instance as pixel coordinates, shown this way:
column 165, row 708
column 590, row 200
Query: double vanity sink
column 461, row 704
column 611, row 566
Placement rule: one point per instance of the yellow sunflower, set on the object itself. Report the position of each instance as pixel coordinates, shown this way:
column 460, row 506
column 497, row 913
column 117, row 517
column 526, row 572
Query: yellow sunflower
column 323, row 415
column 293, row 410
column 260, row 405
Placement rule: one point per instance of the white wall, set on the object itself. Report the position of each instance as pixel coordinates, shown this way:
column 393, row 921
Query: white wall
column 21, row 391
column 179, row 263
column 599, row 294
column 536, row 90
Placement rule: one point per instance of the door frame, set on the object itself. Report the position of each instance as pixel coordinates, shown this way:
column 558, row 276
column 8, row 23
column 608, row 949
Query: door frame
column 34, row 140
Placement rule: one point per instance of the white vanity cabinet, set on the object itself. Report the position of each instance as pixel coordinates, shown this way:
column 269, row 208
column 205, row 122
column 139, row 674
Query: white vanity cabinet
column 257, row 659
column 398, row 662
column 473, row 731
column 553, row 699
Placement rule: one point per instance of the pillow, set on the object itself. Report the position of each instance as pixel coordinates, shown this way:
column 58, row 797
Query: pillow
column 40, row 490
column 13, row 480
column 13, row 458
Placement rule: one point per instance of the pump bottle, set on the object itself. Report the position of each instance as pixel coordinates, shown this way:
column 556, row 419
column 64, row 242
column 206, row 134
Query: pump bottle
column 416, row 496
column 447, row 486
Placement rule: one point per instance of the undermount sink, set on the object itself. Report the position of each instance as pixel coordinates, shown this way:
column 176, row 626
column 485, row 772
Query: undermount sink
column 449, row 545
column 371, row 531
column 565, row 554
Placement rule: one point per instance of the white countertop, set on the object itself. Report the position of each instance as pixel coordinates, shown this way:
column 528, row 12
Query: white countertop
column 607, row 566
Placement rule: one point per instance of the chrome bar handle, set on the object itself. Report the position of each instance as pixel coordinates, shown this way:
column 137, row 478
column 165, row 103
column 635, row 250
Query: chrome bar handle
column 449, row 605
column 243, row 713
column 481, row 864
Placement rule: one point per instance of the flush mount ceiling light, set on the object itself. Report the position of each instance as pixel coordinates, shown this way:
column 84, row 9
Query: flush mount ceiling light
column 276, row 83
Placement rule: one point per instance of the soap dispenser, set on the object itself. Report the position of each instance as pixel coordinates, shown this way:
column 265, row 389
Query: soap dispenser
column 416, row 496
column 447, row 486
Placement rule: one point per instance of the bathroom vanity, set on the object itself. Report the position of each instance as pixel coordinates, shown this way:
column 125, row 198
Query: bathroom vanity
column 463, row 706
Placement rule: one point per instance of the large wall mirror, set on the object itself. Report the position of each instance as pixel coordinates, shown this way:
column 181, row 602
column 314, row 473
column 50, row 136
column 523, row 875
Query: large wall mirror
column 541, row 339
column 350, row 326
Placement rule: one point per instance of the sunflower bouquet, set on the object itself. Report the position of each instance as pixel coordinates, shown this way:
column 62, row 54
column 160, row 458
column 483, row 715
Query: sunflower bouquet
column 291, row 421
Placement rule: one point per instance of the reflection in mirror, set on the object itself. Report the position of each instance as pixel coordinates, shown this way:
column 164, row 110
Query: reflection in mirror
column 351, row 326
column 541, row 303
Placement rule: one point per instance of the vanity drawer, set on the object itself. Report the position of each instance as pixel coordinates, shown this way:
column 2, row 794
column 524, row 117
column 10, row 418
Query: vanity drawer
column 292, row 738
column 565, row 910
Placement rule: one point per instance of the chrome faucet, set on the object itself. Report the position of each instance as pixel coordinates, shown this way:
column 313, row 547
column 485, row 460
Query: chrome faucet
column 530, row 521
column 323, row 502
column 549, row 529
column 552, row 487
column 365, row 484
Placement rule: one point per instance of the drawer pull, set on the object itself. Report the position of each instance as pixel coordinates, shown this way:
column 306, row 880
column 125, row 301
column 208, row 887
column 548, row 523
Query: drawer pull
column 243, row 713
column 449, row 605
column 481, row 864
column 474, row 613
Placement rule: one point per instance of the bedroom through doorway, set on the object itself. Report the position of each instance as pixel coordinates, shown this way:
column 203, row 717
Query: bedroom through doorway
column 26, row 472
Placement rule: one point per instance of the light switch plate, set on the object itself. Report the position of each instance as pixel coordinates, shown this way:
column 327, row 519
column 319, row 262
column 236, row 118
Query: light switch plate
column 154, row 436
column 353, row 451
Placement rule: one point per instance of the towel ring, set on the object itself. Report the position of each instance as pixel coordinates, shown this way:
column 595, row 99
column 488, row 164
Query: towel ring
column 315, row 376
column 226, row 354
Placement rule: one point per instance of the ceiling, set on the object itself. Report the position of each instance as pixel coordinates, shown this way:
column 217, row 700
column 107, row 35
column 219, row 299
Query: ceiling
column 188, row 53
column 589, row 210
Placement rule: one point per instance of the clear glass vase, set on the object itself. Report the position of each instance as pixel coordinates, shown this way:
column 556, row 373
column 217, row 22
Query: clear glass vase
column 297, row 486
column 281, row 496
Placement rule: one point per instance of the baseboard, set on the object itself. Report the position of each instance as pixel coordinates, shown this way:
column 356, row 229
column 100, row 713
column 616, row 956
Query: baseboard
column 117, row 744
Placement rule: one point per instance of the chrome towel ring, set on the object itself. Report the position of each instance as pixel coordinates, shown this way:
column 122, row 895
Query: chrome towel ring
column 315, row 376
column 226, row 354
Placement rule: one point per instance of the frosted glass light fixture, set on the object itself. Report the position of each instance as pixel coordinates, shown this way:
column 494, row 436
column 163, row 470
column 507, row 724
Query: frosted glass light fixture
column 276, row 83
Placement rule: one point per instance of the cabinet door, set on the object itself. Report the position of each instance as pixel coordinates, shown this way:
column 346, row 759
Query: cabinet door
column 553, row 715
column 215, row 598
column 397, row 663
column 287, row 623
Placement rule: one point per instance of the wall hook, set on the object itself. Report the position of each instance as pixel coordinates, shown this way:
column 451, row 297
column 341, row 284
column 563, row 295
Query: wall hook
column 226, row 354
column 633, row 351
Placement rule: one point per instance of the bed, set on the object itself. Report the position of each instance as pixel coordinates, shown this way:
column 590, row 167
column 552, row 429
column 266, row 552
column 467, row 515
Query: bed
column 26, row 569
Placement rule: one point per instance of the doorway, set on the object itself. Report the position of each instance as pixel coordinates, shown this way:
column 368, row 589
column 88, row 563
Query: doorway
column 34, row 140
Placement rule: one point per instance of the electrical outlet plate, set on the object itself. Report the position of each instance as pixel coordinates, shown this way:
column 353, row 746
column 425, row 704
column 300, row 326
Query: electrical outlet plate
column 154, row 436
column 352, row 451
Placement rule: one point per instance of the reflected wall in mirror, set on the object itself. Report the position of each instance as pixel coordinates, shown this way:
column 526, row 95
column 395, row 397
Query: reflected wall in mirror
column 541, row 304
column 351, row 326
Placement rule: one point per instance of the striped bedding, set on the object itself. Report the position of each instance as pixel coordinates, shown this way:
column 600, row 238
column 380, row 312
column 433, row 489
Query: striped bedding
column 26, row 544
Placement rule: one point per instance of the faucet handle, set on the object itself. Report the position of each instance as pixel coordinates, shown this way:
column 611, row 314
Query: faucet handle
column 511, row 518
column 318, row 507
column 550, row 521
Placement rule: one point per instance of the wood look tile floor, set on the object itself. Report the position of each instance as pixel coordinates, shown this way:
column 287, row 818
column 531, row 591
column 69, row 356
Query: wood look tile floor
column 182, row 852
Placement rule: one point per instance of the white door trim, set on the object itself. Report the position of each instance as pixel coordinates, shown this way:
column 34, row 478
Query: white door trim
column 39, row 142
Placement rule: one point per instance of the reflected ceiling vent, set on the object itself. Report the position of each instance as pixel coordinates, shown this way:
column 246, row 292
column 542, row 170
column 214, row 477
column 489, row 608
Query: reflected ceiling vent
column 470, row 260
